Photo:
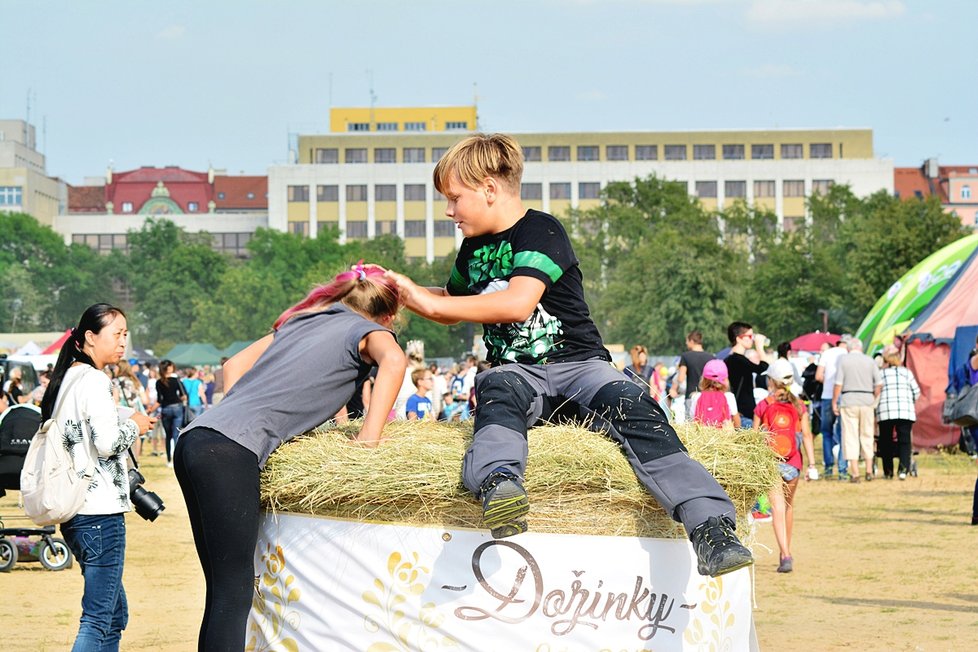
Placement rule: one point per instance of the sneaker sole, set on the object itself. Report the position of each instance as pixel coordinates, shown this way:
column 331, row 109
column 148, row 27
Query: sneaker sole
column 743, row 562
column 507, row 505
column 509, row 530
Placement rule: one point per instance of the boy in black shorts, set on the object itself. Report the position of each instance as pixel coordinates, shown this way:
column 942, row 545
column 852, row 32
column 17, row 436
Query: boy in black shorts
column 517, row 275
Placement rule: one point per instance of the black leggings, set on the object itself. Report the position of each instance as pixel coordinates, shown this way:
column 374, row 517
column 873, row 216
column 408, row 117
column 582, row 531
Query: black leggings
column 899, row 445
column 219, row 479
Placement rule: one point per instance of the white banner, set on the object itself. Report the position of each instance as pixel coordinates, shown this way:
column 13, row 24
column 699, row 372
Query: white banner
column 328, row 585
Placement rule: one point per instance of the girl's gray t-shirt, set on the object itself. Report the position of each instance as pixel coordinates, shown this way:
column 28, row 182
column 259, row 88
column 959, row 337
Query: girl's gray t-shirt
column 308, row 373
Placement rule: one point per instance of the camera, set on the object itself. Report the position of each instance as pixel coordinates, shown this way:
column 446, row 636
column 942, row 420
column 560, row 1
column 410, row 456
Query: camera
column 147, row 503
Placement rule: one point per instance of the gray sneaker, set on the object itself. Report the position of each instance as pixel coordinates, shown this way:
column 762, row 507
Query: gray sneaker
column 718, row 550
column 504, row 504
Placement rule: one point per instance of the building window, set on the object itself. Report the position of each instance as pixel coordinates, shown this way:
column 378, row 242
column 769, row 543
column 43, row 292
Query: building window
column 325, row 155
column 444, row 228
column 414, row 192
column 356, row 192
column 793, row 150
column 558, row 153
column 704, row 152
column 675, row 152
column 415, row 126
column 761, row 151
column 706, row 189
column 531, row 191
column 734, row 189
column 646, row 152
column 220, row 195
column 560, row 191
column 414, row 155
column 437, row 153
column 589, row 190
column 764, row 189
column 327, row 193
column 385, row 155
column 456, row 125
column 358, row 126
column 127, row 207
column 588, row 153
column 355, row 155
column 413, row 228
column 298, row 193
column 965, row 191
column 192, row 206
column 820, row 150
column 821, row 186
column 385, row 192
column 356, row 230
column 11, row 196
column 386, row 126
column 299, row 228
column 616, row 152
column 531, row 153
column 387, row 227
column 794, row 188
column 250, row 195
column 733, row 152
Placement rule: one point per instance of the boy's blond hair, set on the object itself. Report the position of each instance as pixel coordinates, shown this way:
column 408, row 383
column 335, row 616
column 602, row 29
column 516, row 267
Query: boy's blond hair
column 418, row 374
column 479, row 156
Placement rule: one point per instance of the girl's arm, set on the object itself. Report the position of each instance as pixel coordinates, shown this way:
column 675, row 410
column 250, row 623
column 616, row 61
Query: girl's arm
column 243, row 360
column 380, row 348
column 807, row 438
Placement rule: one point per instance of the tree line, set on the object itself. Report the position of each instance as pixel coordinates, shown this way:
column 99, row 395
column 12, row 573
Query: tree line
column 656, row 264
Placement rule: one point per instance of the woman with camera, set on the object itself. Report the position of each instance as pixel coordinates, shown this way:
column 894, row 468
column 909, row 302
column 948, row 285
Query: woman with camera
column 79, row 395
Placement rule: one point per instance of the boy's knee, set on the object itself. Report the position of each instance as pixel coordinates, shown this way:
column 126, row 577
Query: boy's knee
column 503, row 398
column 638, row 419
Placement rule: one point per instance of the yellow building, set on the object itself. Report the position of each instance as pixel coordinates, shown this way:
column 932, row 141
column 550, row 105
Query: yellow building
column 24, row 184
column 372, row 174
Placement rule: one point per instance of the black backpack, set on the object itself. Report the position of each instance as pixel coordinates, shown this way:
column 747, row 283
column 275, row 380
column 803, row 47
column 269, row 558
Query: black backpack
column 18, row 426
column 811, row 387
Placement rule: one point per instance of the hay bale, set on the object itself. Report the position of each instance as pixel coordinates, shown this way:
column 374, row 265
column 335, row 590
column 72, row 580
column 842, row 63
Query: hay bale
column 578, row 481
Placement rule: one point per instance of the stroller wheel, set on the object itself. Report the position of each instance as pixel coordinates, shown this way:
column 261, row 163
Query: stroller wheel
column 8, row 555
column 54, row 555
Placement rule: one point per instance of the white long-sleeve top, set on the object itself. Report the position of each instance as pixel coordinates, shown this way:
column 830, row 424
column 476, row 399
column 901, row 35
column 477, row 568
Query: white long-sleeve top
column 89, row 420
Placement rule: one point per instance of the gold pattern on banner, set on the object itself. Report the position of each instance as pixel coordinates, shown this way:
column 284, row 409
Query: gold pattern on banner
column 406, row 631
column 270, row 606
column 719, row 613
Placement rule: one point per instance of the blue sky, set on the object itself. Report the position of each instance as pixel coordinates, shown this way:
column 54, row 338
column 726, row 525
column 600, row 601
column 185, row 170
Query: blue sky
column 224, row 83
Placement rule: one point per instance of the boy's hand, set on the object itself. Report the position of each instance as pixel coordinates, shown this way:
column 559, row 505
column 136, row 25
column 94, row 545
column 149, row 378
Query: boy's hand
column 411, row 293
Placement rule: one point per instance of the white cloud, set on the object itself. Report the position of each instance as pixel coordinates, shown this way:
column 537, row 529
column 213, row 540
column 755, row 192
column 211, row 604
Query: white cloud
column 822, row 11
column 771, row 71
column 171, row 33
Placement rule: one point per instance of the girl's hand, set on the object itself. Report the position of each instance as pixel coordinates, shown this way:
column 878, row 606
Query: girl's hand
column 143, row 422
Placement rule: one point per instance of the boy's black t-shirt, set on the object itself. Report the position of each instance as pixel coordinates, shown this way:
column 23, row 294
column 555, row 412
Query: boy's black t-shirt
column 741, row 371
column 560, row 328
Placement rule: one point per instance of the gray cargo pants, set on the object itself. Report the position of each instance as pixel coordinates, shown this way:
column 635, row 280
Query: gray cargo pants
column 512, row 397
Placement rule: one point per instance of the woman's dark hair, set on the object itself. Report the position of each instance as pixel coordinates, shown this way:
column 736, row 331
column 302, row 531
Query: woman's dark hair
column 164, row 378
column 784, row 349
column 95, row 318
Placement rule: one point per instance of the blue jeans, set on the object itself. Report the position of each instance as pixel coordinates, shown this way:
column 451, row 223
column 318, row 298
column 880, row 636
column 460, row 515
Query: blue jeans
column 746, row 422
column 99, row 544
column 172, row 416
column 831, row 437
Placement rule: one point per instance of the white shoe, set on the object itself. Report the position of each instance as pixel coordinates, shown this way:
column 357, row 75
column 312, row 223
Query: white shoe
column 169, row 465
column 903, row 475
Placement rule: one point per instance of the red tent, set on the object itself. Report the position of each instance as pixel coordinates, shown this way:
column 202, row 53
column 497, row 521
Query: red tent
column 929, row 351
column 55, row 346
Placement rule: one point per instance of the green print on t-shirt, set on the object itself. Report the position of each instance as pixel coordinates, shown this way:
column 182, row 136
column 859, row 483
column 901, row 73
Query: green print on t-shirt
column 529, row 342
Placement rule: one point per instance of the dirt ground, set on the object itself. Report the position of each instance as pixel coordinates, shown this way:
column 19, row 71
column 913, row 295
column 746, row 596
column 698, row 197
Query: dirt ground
column 885, row 565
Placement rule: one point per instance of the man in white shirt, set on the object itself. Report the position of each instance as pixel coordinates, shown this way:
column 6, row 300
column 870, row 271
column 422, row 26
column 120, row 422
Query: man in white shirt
column 831, row 428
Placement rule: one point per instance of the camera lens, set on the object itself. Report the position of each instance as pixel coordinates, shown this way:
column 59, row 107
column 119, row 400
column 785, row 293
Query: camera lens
column 147, row 503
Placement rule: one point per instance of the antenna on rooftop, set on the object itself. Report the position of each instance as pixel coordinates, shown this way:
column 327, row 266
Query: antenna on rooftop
column 373, row 98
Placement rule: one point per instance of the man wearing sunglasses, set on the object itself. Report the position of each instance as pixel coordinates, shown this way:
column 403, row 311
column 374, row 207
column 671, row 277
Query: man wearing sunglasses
column 741, row 369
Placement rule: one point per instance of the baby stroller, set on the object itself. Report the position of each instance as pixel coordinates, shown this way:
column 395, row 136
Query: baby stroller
column 28, row 543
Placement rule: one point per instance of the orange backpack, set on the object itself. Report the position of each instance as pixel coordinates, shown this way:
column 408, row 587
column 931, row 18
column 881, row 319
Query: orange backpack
column 782, row 423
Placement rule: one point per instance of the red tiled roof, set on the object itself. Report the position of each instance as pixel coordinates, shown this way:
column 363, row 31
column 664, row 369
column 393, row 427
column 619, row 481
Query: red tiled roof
column 907, row 182
column 241, row 193
column 169, row 174
column 86, row 199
